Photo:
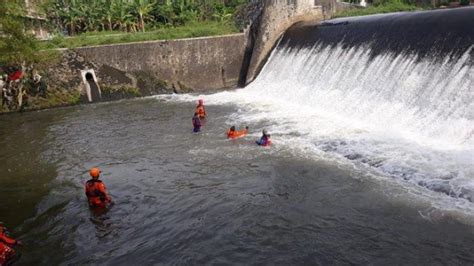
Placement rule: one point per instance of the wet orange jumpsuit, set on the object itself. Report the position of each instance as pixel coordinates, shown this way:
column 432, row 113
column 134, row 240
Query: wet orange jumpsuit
column 96, row 193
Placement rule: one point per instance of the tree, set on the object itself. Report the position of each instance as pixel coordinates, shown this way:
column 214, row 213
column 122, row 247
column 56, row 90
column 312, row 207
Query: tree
column 107, row 10
column 69, row 15
column 142, row 8
column 16, row 46
column 120, row 14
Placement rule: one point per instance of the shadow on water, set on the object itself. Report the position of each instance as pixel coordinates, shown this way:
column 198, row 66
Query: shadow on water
column 25, row 175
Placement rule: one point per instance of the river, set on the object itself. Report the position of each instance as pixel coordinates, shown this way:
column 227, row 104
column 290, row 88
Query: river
column 183, row 198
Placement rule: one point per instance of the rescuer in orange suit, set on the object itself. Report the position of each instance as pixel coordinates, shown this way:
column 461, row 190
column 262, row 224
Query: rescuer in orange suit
column 95, row 190
column 200, row 109
column 232, row 133
column 6, row 243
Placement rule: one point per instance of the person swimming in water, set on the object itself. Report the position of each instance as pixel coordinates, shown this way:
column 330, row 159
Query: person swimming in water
column 265, row 139
column 196, row 123
column 233, row 134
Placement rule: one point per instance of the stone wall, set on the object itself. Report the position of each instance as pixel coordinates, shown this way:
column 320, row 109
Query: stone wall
column 198, row 64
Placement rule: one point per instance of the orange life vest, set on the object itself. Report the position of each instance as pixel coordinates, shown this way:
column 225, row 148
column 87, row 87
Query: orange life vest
column 201, row 111
column 236, row 134
column 96, row 193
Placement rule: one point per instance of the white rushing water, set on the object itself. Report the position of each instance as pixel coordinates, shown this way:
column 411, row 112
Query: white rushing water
column 407, row 120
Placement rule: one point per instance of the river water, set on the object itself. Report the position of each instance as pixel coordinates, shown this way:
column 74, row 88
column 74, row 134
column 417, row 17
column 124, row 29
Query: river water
column 183, row 198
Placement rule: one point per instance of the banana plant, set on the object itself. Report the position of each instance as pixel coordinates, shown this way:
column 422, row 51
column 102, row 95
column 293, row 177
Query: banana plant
column 142, row 9
column 133, row 15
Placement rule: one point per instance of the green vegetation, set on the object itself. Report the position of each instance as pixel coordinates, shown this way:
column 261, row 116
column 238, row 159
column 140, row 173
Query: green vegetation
column 108, row 22
column 379, row 7
column 120, row 92
column 190, row 30
column 55, row 98
column 80, row 16
column 16, row 47
column 87, row 23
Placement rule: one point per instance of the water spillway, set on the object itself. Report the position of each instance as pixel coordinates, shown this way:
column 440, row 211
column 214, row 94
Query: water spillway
column 410, row 71
column 389, row 93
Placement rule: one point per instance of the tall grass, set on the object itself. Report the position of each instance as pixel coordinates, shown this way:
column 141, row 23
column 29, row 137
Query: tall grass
column 190, row 30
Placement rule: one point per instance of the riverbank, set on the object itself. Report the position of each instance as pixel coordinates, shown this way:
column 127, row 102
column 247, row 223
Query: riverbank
column 57, row 98
column 130, row 70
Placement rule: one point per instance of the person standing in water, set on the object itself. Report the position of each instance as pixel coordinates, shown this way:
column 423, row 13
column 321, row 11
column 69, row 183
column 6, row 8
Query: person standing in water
column 265, row 139
column 95, row 190
column 7, row 253
column 196, row 123
column 200, row 110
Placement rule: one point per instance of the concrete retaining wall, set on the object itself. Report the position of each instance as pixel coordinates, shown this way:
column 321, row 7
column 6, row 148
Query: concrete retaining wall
column 198, row 64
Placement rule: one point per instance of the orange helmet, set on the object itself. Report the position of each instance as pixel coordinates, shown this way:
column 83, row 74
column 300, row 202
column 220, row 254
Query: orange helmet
column 95, row 172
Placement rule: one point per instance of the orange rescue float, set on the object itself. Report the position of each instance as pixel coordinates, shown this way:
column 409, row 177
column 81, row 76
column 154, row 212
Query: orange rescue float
column 233, row 134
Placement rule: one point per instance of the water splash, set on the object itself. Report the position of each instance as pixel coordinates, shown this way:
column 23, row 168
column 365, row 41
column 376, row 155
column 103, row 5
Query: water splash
column 418, row 100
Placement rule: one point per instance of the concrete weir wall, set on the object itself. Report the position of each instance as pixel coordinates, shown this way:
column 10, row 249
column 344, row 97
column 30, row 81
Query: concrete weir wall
column 197, row 64
column 275, row 18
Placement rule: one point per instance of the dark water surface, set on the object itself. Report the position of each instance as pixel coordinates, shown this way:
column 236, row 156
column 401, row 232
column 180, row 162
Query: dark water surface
column 198, row 199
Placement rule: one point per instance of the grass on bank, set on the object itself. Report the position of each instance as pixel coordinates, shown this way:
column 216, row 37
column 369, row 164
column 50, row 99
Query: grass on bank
column 190, row 30
column 380, row 9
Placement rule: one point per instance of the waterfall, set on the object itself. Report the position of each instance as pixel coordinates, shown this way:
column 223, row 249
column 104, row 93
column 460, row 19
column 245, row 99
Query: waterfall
column 391, row 94
column 422, row 100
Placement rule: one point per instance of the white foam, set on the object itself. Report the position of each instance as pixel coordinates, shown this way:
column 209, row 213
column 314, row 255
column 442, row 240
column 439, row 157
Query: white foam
column 408, row 120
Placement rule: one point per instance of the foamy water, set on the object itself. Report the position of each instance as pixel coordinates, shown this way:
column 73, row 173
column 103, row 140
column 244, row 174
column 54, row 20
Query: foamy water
column 402, row 119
